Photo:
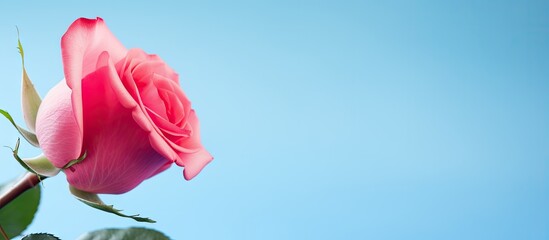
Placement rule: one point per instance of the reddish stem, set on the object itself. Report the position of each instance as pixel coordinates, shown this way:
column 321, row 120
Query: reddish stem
column 4, row 234
column 27, row 182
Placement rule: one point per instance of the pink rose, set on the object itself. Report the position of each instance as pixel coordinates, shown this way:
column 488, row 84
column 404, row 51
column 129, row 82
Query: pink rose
column 123, row 108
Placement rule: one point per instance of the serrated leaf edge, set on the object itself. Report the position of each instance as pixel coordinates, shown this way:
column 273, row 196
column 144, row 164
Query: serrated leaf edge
column 93, row 200
column 38, row 234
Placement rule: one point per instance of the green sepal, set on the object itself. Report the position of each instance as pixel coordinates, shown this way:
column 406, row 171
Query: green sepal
column 93, row 200
column 38, row 165
column 75, row 161
column 29, row 136
column 40, row 236
column 124, row 234
column 30, row 100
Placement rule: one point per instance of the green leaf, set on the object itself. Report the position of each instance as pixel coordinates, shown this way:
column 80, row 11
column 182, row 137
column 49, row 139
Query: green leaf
column 38, row 165
column 29, row 136
column 124, row 234
column 30, row 100
column 18, row 214
column 91, row 199
column 40, row 236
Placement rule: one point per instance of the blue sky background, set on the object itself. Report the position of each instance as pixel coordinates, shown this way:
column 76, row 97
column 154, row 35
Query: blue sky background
column 327, row 120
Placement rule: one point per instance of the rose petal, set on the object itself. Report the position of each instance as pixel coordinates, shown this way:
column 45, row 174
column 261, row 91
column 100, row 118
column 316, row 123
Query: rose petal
column 113, row 163
column 167, row 127
column 80, row 47
column 160, row 142
column 128, row 95
column 193, row 142
column 151, row 64
column 193, row 162
column 152, row 100
column 178, row 106
column 162, row 169
column 56, row 127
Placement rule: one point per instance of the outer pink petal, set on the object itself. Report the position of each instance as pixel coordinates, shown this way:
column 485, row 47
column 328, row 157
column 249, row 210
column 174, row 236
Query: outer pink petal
column 161, row 169
column 56, row 127
column 194, row 162
column 80, row 46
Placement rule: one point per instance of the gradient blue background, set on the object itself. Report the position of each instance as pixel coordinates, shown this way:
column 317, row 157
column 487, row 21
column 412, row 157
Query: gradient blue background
column 327, row 120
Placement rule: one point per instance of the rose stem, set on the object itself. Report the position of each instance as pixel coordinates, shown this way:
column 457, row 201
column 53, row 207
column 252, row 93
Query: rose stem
column 4, row 234
column 27, row 182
